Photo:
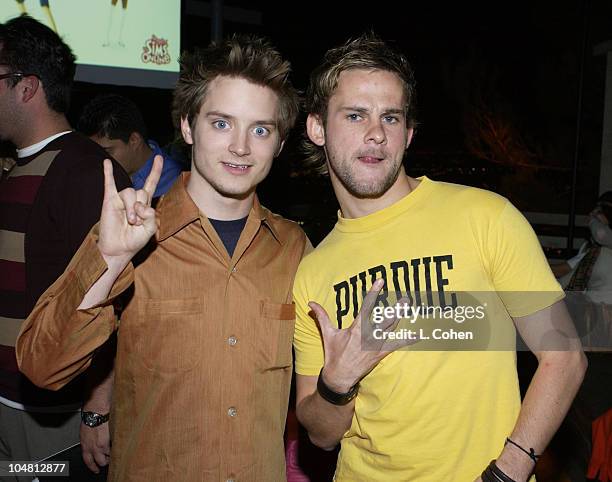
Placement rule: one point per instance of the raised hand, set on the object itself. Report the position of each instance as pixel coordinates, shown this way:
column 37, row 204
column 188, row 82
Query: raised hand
column 128, row 221
column 352, row 353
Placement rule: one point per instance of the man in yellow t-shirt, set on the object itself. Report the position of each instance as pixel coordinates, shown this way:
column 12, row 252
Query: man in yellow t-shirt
column 439, row 409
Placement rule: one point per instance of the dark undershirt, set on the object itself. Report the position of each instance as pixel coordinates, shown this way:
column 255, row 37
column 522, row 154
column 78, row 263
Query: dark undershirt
column 229, row 232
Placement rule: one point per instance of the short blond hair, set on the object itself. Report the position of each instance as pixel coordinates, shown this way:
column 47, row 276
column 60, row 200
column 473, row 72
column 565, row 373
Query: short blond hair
column 365, row 52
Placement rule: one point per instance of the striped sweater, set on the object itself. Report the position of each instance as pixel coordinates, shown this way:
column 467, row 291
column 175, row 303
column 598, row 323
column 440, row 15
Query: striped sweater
column 48, row 203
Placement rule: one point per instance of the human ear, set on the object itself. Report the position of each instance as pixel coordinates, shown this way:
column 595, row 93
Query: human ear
column 410, row 133
column 135, row 139
column 186, row 131
column 29, row 85
column 280, row 148
column 315, row 129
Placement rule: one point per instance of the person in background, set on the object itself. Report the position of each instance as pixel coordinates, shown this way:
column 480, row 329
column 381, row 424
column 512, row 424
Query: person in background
column 591, row 268
column 115, row 123
column 587, row 278
column 48, row 202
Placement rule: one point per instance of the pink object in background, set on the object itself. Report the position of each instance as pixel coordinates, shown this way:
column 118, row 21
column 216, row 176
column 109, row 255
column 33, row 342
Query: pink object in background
column 601, row 455
column 294, row 472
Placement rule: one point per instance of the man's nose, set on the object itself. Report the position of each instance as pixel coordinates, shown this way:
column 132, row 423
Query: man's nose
column 239, row 145
column 376, row 133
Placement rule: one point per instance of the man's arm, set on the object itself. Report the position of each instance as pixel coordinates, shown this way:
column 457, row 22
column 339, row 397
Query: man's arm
column 81, row 210
column 75, row 315
column 326, row 423
column 95, row 441
column 57, row 340
column 346, row 363
column 550, row 334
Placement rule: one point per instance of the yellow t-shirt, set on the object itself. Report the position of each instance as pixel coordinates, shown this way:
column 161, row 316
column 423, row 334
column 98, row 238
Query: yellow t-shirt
column 424, row 415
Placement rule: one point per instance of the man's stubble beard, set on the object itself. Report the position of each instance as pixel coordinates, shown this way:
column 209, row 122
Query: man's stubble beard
column 363, row 190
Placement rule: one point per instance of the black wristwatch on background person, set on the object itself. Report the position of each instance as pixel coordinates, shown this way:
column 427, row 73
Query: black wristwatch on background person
column 333, row 397
column 93, row 419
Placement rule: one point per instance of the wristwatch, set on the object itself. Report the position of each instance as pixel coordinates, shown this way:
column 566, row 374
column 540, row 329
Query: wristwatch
column 93, row 419
column 333, row 397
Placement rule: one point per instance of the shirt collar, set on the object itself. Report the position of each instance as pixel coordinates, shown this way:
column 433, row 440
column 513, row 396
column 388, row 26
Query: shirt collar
column 140, row 176
column 154, row 146
column 176, row 210
column 266, row 218
column 34, row 148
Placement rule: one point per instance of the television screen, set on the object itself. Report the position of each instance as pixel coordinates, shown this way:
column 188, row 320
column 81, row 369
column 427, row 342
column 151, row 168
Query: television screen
column 126, row 42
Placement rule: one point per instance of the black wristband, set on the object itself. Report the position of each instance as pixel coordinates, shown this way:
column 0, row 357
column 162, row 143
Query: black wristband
column 333, row 397
column 487, row 476
column 494, row 474
column 499, row 473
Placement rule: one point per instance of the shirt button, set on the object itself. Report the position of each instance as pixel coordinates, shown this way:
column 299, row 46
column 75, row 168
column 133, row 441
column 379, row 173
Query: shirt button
column 232, row 340
column 232, row 411
column 234, row 269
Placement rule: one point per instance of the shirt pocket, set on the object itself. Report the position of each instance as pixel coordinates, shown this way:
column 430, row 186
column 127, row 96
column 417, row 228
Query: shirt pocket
column 167, row 335
column 273, row 342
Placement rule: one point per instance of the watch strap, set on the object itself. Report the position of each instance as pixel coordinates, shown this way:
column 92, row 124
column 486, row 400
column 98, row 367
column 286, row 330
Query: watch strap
column 332, row 396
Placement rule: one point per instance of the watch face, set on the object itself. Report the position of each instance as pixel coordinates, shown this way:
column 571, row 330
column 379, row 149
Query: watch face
column 92, row 419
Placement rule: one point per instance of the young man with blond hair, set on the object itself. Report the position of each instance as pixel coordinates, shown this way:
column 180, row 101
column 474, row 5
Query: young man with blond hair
column 416, row 414
column 203, row 365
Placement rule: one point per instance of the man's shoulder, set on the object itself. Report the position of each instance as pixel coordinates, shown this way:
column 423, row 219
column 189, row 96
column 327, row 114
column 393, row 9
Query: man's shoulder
column 469, row 193
column 75, row 146
column 327, row 252
column 468, row 199
column 81, row 158
column 76, row 154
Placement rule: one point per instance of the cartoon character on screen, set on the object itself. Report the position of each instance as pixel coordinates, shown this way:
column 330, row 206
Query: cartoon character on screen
column 44, row 4
column 124, row 5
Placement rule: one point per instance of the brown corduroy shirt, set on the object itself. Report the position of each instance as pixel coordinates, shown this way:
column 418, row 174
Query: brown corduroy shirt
column 204, row 360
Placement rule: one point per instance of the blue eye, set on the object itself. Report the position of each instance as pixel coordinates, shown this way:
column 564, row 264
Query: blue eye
column 221, row 124
column 261, row 131
column 354, row 117
column 389, row 119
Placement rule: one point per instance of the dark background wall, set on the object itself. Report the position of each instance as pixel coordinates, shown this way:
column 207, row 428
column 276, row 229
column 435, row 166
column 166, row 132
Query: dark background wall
column 497, row 91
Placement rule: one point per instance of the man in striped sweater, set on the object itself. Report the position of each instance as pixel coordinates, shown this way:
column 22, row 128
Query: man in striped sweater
column 48, row 203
